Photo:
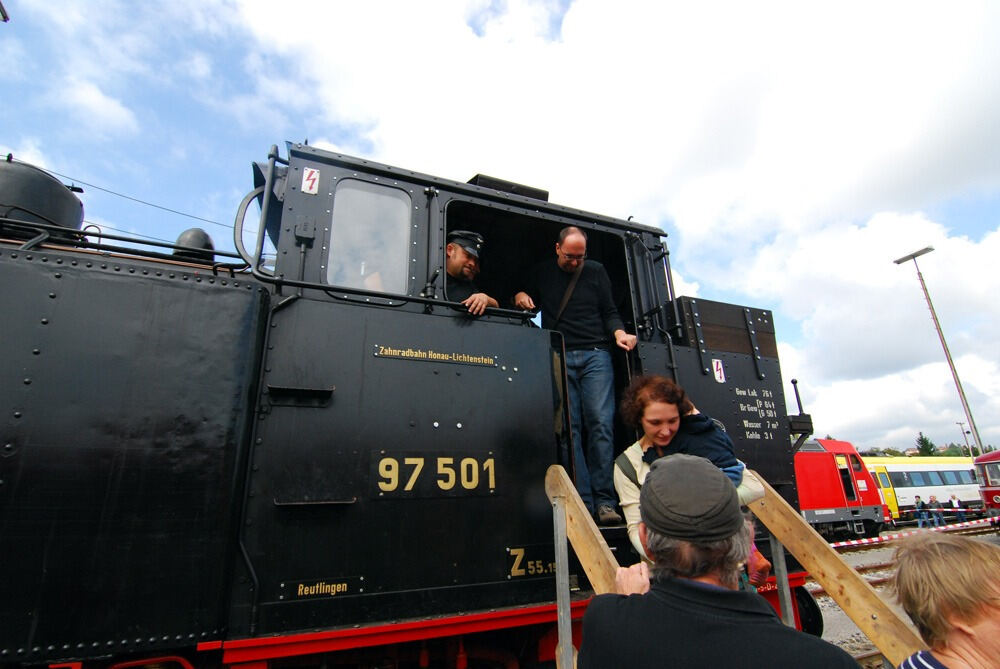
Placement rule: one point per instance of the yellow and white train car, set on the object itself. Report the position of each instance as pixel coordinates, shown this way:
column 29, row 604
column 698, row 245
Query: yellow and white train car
column 900, row 479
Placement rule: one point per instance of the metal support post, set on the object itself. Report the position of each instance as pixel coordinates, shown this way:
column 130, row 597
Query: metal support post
column 564, row 625
column 781, row 579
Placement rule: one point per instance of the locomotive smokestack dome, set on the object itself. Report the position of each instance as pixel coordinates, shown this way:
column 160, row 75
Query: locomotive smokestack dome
column 195, row 238
column 30, row 194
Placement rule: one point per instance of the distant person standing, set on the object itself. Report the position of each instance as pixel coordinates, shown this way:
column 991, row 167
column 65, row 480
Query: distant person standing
column 936, row 513
column 920, row 511
column 574, row 295
column 956, row 506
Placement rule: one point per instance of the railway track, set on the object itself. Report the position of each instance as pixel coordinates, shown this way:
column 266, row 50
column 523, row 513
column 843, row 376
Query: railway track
column 972, row 528
column 864, row 570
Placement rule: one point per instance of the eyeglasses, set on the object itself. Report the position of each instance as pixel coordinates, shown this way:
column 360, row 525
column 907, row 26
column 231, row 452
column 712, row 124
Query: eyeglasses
column 574, row 256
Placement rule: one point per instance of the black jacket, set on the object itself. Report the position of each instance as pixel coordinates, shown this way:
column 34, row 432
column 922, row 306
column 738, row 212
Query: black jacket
column 681, row 623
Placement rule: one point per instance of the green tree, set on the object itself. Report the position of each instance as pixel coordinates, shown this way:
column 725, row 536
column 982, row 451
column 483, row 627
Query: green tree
column 894, row 453
column 925, row 446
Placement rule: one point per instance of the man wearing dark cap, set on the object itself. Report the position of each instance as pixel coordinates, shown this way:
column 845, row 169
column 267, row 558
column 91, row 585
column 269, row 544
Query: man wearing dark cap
column 690, row 612
column 462, row 267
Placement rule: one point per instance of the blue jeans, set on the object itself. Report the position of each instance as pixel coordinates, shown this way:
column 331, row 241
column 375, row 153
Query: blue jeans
column 922, row 518
column 591, row 393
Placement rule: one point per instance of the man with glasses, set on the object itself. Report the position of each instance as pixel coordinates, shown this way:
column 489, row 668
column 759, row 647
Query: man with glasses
column 574, row 295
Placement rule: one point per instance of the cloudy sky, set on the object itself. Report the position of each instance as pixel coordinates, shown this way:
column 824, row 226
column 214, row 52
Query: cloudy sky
column 790, row 150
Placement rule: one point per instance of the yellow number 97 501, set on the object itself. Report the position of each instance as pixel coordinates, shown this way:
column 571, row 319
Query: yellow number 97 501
column 467, row 474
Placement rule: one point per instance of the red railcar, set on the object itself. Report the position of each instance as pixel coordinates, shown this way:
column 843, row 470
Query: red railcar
column 837, row 494
column 988, row 475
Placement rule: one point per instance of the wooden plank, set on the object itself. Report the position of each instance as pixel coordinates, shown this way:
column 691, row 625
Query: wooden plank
column 591, row 549
column 890, row 633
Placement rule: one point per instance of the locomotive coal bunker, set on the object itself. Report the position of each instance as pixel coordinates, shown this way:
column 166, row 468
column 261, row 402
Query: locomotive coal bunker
column 197, row 455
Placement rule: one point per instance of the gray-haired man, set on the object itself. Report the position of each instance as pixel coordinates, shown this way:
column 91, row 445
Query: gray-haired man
column 690, row 612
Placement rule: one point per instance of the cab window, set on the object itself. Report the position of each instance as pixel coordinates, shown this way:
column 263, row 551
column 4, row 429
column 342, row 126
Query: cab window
column 369, row 237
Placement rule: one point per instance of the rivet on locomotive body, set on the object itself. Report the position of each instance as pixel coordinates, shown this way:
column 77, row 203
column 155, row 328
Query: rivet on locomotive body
column 436, row 424
column 58, row 275
column 29, row 257
column 104, row 265
column 131, row 270
column 52, row 295
column 27, row 382
column 45, row 321
column 458, row 425
column 117, row 268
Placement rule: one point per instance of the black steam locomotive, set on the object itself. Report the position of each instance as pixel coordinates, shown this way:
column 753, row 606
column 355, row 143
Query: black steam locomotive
column 304, row 453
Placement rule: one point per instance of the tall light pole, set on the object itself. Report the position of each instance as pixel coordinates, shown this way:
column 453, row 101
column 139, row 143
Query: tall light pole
column 947, row 354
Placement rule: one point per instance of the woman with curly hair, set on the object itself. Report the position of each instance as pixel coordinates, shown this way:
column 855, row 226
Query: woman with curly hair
column 669, row 422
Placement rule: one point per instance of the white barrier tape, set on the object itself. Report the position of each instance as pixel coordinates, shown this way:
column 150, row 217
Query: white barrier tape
column 899, row 535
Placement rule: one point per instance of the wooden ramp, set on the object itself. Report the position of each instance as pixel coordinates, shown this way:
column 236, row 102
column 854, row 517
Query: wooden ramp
column 890, row 634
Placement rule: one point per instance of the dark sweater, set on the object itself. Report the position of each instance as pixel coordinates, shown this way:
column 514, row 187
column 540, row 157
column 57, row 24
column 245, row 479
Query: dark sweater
column 681, row 623
column 457, row 290
column 699, row 435
column 590, row 317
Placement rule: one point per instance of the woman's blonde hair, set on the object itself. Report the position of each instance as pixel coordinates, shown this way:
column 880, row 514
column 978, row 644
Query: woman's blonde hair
column 941, row 577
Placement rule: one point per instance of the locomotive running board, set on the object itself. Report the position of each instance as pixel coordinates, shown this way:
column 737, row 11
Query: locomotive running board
column 890, row 633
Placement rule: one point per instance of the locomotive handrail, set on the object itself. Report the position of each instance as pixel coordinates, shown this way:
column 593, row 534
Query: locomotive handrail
column 241, row 213
column 79, row 238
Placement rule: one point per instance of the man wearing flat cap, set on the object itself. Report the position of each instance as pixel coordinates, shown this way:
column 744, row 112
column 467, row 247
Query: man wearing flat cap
column 690, row 612
column 462, row 267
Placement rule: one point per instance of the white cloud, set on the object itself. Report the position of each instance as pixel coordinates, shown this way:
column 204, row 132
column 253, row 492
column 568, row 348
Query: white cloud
column 28, row 151
column 96, row 111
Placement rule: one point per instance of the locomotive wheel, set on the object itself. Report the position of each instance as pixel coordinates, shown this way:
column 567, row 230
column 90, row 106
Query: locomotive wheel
column 810, row 617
